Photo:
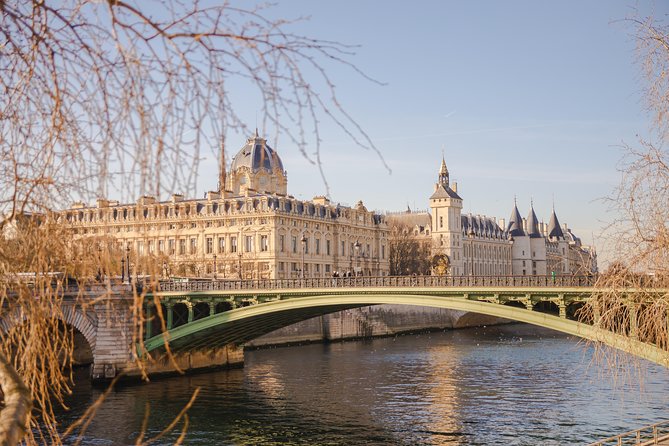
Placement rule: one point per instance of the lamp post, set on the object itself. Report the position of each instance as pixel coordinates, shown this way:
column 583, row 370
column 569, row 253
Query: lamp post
column 127, row 260
column 304, row 248
column 214, row 266
column 357, row 256
column 122, row 269
column 239, row 266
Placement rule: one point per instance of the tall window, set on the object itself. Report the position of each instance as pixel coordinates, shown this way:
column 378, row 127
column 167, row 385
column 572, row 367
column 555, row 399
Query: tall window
column 248, row 243
column 233, row 244
column 221, row 245
column 318, row 246
column 293, row 243
column 161, row 246
column 210, row 245
column 182, row 246
column 327, row 247
column 441, row 222
column 263, row 243
column 171, row 248
column 193, row 245
column 343, row 249
column 151, row 246
column 282, row 240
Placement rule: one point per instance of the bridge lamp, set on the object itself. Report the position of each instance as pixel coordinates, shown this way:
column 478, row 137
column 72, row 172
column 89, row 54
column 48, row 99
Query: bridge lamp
column 304, row 248
column 357, row 256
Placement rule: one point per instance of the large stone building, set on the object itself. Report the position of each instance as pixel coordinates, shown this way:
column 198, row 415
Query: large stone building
column 482, row 246
column 249, row 228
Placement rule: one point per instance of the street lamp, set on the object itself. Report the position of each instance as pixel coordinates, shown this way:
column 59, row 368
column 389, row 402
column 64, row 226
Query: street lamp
column 214, row 266
column 239, row 267
column 304, row 248
column 357, row 257
column 127, row 260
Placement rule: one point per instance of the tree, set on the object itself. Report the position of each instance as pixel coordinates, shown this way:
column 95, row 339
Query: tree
column 102, row 98
column 639, row 238
column 408, row 254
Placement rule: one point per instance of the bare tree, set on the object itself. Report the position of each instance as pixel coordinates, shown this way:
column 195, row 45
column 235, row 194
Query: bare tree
column 639, row 238
column 123, row 98
column 408, row 253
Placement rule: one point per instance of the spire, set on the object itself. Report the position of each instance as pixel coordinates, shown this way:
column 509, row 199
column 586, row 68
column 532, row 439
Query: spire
column 533, row 224
column 221, row 169
column 554, row 229
column 443, row 173
column 515, row 227
column 257, row 136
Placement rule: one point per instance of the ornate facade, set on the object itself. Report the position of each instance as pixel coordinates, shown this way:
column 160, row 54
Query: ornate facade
column 481, row 246
column 249, row 228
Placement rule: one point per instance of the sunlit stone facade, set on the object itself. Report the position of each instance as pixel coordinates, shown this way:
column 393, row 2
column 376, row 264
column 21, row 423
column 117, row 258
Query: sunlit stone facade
column 482, row 246
column 248, row 229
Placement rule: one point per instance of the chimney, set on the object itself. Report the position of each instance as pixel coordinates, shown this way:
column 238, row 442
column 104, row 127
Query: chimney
column 455, row 187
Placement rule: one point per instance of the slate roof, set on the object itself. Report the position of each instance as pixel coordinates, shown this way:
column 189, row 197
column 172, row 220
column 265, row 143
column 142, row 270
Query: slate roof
column 533, row 224
column 515, row 226
column 554, row 229
column 257, row 154
column 444, row 192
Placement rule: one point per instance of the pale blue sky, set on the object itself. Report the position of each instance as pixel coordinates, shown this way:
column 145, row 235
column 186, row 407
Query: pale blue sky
column 528, row 99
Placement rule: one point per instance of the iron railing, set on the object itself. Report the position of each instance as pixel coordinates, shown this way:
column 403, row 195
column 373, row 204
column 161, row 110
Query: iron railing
column 376, row 282
column 653, row 434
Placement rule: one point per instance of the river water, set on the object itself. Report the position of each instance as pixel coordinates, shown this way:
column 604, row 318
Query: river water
column 503, row 385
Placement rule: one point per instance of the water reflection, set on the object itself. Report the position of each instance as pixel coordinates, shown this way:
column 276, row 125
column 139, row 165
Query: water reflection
column 500, row 385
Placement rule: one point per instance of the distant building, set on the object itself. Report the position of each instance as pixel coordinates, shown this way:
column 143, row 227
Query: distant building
column 249, row 228
column 481, row 246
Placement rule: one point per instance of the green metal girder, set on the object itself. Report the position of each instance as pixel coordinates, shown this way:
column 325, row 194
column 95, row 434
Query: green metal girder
column 243, row 324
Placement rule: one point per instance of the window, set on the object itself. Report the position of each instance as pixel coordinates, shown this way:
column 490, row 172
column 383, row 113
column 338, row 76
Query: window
column 523, row 262
column 161, row 246
column 248, row 243
column 193, row 245
column 293, row 266
column 318, row 268
column 151, row 247
column 441, row 222
column 383, row 252
column 171, row 246
column 318, row 246
column 182, row 246
column 233, row 244
column 306, row 245
column 263, row 243
column 293, row 243
column 140, row 248
column 210, row 245
column 280, row 266
column 343, row 249
column 221, row 245
column 282, row 241
column 327, row 268
column 327, row 247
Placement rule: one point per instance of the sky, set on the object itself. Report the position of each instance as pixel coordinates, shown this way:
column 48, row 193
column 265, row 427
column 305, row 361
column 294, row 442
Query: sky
column 526, row 100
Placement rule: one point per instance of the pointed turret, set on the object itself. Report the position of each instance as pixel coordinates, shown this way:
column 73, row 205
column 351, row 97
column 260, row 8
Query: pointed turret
column 554, row 229
column 533, row 224
column 443, row 173
column 515, row 227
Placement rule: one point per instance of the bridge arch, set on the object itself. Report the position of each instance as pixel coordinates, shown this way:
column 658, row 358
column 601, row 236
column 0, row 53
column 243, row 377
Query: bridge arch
column 243, row 324
column 84, row 323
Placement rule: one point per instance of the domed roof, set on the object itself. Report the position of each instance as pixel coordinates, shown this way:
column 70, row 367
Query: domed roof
column 256, row 155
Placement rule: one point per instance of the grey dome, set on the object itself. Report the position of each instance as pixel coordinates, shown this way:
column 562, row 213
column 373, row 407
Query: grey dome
column 256, row 155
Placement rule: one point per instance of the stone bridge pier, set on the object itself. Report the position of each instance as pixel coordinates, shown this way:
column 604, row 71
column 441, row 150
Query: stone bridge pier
column 116, row 349
column 106, row 334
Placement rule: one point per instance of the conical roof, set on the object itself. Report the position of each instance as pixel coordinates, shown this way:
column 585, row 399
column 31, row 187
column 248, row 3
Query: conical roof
column 533, row 224
column 515, row 226
column 443, row 170
column 554, row 229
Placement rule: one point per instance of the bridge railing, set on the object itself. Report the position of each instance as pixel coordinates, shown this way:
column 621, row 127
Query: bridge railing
column 376, row 282
column 653, row 434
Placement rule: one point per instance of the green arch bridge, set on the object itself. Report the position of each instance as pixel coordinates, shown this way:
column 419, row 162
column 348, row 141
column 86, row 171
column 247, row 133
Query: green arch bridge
column 204, row 314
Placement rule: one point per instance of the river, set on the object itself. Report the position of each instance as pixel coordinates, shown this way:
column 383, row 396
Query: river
column 502, row 385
